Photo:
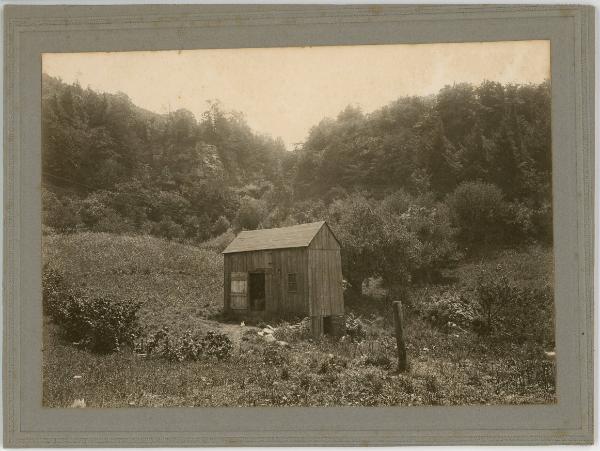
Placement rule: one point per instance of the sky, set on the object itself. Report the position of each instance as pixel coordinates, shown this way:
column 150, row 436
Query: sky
column 283, row 92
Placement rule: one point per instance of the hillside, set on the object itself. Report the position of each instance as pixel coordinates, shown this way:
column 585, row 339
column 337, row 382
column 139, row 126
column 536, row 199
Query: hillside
column 180, row 286
column 111, row 166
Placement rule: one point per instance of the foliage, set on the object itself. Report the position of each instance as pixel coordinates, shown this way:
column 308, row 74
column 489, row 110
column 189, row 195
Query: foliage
column 358, row 227
column 216, row 344
column 514, row 313
column 185, row 346
column 251, row 214
column 111, row 166
column 355, row 328
column 293, row 332
column 402, row 239
column 99, row 324
column 449, row 310
column 178, row 285
column 476, row 208
column 220, row 226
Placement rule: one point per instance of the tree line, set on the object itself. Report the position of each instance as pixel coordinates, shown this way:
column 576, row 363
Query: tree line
column 408, row 189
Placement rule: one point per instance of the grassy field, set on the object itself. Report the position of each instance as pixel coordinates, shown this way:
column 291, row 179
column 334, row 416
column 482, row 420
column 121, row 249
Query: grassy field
column 180, row 287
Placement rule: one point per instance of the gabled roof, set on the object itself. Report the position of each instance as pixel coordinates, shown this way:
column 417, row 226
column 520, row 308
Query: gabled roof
column 283, row 237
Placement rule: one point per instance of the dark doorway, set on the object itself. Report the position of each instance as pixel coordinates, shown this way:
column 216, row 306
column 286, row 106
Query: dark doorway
column 327, row 325
column 257, row 291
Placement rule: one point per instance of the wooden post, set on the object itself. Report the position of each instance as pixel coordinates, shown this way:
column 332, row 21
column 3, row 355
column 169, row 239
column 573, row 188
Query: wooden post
column 398, row 326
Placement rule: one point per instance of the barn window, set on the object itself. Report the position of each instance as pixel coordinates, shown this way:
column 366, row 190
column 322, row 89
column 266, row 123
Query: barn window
column 292, row 282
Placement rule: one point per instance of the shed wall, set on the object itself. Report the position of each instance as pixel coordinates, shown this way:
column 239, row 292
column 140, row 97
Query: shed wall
column 276, row 264
column 325, row 275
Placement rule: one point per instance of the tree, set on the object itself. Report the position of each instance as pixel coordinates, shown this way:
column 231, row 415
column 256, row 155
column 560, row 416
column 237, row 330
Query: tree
column 358, row 227
column 251, row 213
column 476, row 208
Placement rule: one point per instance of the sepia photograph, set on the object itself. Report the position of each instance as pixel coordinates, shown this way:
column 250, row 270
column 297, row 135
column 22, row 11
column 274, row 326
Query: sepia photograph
column 357, row 225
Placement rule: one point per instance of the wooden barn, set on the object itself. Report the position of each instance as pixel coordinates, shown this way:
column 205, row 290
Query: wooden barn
column 294, row 270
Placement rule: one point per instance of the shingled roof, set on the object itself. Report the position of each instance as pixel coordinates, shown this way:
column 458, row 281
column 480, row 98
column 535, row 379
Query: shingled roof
column 283, row 237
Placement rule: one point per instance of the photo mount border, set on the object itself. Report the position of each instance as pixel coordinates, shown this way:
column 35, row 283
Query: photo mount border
column 32, row 30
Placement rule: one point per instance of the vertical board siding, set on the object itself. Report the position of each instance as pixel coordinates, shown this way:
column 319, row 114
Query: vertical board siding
column 318, row 270
column 276, row 264
column 324, row 239
column 325, row 286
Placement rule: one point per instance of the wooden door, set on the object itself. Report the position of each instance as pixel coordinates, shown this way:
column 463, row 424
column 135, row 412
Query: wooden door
column 239, row 291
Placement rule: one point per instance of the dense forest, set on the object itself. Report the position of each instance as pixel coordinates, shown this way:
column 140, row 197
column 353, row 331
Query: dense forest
column 408, row 189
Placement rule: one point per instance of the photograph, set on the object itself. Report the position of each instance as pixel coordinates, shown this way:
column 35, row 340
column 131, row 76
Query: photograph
column 317, row 226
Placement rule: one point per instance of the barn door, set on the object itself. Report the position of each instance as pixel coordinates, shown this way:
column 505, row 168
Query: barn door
column 239, row 291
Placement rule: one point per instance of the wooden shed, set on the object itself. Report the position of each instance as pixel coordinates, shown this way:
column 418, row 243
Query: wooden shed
column 286, row 271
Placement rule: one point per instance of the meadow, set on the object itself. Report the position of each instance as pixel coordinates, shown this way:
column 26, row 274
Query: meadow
column 179, row 286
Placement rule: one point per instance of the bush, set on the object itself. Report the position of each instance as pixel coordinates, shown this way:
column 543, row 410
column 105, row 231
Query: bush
column 61, row 215
column 273, row 355
column 512, row 313
column 355, row 328
column 187, row 346
column 219, row 243
column 251, row 213
column 293, row 332
column 99, row 324
column 220, row 226
column 92, row 210
column 526, row 223
column 113, row 222
column 167, row 228
column 216, row 344
column 449, row 308
column 476, row 208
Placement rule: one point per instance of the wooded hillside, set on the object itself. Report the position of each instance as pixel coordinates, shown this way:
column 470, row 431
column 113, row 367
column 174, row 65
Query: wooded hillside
column 469, row 165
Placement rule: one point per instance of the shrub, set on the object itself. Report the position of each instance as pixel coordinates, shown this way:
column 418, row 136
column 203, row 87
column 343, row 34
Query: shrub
column 61, row 215
column 92, row 210
column 514, row 313
column 186, row 346
column 99, row 324
column 355, row 328
column 528, row 223
column 167, row 228
column 216, row 344
column 96, row 323
column 219, row 243
column 251, row 213
column 293, row 332
column 448, row 308
column 476, row 208
column 220, row 226
column 113, row 222
column 274, row 356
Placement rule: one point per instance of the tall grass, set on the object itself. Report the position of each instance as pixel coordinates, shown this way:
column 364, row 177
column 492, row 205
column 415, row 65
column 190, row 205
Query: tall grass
column 178, row 285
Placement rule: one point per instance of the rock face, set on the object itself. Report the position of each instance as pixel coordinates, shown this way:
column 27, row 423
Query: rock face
column 269, row 338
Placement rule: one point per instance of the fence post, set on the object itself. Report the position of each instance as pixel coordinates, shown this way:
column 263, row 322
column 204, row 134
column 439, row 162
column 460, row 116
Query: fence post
column 398, row 326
